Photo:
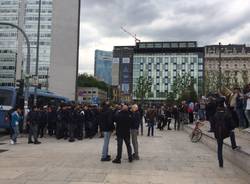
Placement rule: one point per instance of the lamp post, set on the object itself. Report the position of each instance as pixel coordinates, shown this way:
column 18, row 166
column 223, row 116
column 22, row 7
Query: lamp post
column 26, row 95
column 220, row 74
column 37, row 49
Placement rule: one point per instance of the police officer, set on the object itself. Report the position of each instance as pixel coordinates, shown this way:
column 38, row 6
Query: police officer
column 33, row 120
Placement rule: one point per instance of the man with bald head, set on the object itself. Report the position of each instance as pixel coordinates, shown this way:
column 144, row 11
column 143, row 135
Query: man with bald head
column 123, row 125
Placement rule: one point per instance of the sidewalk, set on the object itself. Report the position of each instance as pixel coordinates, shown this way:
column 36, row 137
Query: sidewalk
column 167, row 158
column 239, row 157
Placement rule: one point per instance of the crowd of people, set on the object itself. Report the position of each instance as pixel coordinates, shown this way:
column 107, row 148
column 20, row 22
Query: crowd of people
column 75, row 121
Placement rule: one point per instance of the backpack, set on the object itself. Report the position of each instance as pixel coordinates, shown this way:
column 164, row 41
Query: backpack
column 221, row 125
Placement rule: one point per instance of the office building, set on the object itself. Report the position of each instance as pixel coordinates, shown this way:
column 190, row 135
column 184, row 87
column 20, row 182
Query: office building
column 8, row 60
column 25, row 14
column 58, row 45
column 122, row 70
column 103, row 66
column 63, row 70
column 163, row 61
column 91, row 95
column 235, row 64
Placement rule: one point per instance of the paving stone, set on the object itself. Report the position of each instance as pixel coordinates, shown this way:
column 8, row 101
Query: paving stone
column 169, row 157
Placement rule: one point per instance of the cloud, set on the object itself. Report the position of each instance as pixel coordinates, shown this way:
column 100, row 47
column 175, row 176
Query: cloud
column 206, row 21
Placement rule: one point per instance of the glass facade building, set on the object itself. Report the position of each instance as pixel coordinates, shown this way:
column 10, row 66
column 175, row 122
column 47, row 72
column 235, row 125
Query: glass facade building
column 8, row 60
column 163, row 61
column 103, row 65
column 12, row 11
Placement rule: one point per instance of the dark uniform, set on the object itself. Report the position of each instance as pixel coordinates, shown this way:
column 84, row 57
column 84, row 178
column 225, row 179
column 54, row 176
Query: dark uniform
column 33, row 121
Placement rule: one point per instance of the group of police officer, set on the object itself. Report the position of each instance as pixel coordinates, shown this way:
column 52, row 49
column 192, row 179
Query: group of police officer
column 68, row 121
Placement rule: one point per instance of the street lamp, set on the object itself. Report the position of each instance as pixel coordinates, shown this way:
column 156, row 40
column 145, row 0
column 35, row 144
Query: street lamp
column 37, row 49
column 26, row 95
column 220, row 74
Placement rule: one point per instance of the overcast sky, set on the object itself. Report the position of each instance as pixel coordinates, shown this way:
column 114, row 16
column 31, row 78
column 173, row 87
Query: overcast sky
column 205, row 21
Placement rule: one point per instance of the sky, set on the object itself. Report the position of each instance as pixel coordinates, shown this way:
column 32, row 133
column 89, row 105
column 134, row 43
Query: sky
column 204, row 21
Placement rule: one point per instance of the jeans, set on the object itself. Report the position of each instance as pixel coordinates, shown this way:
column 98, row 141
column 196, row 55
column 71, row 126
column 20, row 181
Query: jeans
column 151, row 127
column 247, row 113
column 105, row 148
column 220, row 147
column 134, row 133
column 242, row 122
column 15, row 132
column 119, row 147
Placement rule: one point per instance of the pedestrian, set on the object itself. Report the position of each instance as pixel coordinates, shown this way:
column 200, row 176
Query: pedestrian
column 135, row 130
column 191, row 112
column 223, row 128
column 141, row 118
column 123, row 125
column 150, row 116
column 14, row 126
column 175, row 113
column 33, row 121
column 107, row 127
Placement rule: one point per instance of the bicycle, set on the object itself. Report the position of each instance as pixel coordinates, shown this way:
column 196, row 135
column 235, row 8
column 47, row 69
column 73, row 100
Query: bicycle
column 196, row 133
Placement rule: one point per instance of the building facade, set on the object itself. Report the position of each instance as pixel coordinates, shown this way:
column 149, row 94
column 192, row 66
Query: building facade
column 8, row 59
column 235, row 65
column 103, row 66
column 91, row 95
column 58, row 45
column 63, row 70
column 25, row 14
column 163, row 61
column 122, row 70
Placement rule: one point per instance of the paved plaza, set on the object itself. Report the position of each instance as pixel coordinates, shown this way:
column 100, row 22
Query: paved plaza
column 167, row 158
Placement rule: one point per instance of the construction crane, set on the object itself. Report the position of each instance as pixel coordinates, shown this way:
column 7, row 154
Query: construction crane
column 133, row 35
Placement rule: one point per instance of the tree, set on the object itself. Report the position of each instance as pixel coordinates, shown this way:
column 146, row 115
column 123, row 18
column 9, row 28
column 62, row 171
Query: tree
column 85, row 80
column 143, row 88
column 182, row 89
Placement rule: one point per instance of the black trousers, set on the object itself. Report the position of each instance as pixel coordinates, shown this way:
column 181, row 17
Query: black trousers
column 176, row 124
column 119, row 146
column 33, row 132
column 220, row 147
column 191, row 117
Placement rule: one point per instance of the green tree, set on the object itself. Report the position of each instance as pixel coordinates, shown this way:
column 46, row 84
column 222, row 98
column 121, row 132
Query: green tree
column 85, row 80
column 143, row 88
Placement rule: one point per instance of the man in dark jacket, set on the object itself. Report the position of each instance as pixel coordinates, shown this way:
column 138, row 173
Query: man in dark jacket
column 107, row 126
column 33, row 121
column 223, row 128
column 123, row 126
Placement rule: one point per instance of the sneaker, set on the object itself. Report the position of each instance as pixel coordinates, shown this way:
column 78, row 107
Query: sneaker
column 116, row 161
column 30, row 142
column 135, row 157
column 107, row 159
column 37, row 142
column 237, row 148
column 12, row 142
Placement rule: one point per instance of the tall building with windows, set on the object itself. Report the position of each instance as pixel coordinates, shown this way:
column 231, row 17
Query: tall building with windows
column 163, row 61
column 122, row 70
column 59, row 22
column 25, row 14
column 8, row 60
column 235, row 64
column 9, row 10
column 103, row 66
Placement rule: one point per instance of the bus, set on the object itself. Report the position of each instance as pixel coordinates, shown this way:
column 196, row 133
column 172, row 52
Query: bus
column 10, row 99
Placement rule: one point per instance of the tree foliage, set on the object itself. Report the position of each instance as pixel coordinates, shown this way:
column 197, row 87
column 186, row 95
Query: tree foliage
column 230, row 79
column 143, row 87
column 85, row 80
column 182, row 89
